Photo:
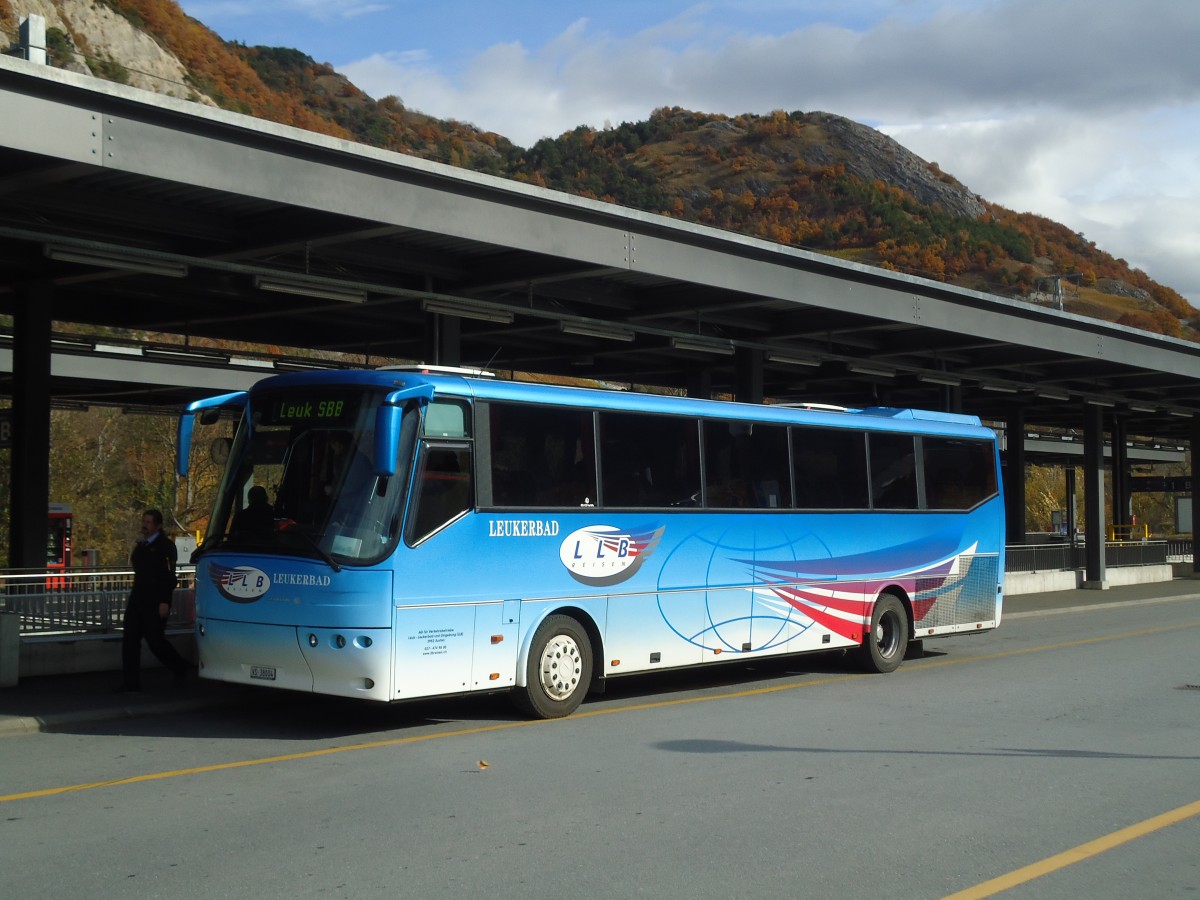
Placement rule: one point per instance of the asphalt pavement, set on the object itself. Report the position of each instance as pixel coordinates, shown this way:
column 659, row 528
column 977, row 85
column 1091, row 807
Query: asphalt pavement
column 51, row 703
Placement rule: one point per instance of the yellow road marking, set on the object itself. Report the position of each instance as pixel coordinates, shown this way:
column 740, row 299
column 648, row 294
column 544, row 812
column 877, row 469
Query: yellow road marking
column 1076, row 854
column 585, row 714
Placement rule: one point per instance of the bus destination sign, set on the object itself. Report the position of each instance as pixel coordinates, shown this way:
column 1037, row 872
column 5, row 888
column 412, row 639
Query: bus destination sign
column 298, row 409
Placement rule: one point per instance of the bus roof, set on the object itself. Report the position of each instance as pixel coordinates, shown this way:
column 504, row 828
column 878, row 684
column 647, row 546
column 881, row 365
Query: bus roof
column 448, row 383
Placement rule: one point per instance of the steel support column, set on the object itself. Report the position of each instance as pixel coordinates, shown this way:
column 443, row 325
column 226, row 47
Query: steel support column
column 700, row 384
column 1121, row 512
column 954, row 401
column 748, row 373
column 1072, row 510
column 443, row 340
column 30, row 489
column 1014, row 477
column 1093, row 497
column 1193, row 469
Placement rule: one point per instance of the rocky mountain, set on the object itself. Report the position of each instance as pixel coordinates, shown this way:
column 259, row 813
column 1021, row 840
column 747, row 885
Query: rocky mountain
column 809, row 179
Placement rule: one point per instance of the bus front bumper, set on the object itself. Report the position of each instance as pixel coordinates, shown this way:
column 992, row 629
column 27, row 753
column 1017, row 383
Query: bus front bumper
column 343, row 662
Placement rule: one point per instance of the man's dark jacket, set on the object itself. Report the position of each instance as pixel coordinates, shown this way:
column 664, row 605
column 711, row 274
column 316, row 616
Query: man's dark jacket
column 153, row 571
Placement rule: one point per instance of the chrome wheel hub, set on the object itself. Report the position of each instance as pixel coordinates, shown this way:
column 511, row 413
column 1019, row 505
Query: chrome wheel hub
column 561, row 667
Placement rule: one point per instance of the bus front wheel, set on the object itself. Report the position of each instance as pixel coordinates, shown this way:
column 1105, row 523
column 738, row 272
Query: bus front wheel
column 886, row 642
column 559, row 669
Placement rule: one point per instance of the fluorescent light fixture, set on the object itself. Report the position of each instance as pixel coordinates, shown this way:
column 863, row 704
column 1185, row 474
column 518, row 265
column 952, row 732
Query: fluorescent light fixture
column 71, row 344
column 464, row 310
column 297, row 365
column 435, row 369
column 1047, row 394
column 597, row 330
column 788, row 360
column 1182, row 413
column 702, row 345
column 186, row 355
column 948, row 380
column 872, row 370
column 303, row 288
column 118, row 348
column 1142, row 409
column 115, row 259
column 999, row 388
column 1097, row 401
column 252, row 363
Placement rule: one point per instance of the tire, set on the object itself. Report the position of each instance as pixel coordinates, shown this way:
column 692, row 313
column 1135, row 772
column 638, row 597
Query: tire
column 884, row 646
column 559, row 670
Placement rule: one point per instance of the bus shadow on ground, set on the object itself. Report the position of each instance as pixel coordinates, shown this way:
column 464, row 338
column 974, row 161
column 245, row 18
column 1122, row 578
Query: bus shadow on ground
column 240, row 713
column 734, row 676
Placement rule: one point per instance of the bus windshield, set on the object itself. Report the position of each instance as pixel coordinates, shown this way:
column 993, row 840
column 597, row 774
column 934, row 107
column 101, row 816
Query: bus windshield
column 301, row 478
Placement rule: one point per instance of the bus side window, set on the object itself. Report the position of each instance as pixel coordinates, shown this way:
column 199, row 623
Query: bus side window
column 442, row 490
column 649, row 461
column 958, row 473
column 893, row 471
column 745, row 465
column 541, row 457
column 831, row 468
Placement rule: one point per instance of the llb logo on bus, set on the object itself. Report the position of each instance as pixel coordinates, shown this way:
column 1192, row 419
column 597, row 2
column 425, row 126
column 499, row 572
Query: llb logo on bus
column 241, row 584
column 602, row 555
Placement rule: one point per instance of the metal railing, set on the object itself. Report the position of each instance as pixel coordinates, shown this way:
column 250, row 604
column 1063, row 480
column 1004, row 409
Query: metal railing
column 83, row 601
column 1066, row 556
column 1179, row 550
column 1039, row 557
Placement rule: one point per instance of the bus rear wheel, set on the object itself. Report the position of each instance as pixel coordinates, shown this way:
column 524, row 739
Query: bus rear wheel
column 559, row 669
column 886, row 643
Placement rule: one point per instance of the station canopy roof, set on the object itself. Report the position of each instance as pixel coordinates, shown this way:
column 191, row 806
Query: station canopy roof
column 203, row 227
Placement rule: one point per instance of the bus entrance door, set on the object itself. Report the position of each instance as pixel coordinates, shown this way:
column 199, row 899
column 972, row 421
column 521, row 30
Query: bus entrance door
column 497, row 642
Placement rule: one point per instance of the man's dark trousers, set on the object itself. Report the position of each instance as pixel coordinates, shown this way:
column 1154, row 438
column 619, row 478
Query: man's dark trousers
column 142, row 621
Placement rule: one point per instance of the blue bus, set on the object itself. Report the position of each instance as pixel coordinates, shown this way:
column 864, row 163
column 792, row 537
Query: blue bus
column 403, row 533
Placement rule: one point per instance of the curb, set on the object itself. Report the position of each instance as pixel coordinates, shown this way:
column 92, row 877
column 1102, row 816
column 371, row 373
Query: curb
column 11, row 726
column 1091, row 607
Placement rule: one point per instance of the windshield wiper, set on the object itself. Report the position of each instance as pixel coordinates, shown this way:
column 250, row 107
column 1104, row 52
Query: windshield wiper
column 311, row 541
column 212, row 542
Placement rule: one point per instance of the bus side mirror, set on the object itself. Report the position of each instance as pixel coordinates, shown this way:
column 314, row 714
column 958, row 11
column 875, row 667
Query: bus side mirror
column 387, row 425
column 387, row 439
column 209, row 411
column 183, row 443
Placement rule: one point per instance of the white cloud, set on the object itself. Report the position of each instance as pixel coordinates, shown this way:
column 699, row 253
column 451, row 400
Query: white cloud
column 1085, row 112
column 1129, row 182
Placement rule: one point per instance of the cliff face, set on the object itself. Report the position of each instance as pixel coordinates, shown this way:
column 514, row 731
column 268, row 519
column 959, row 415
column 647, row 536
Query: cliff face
column 91, row 38
column 873, row 156
column 774, row 148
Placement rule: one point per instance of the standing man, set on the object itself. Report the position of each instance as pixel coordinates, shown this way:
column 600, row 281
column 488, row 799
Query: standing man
column 153, row 559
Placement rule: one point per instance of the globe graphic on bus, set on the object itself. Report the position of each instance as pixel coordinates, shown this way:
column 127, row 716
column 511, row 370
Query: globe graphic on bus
column 739, row 612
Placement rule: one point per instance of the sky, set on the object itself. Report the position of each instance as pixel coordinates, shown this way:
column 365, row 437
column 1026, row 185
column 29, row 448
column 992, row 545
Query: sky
column 1084, row 111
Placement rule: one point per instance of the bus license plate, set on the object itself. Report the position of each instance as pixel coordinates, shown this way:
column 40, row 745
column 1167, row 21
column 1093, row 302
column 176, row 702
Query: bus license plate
column 266, row 673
